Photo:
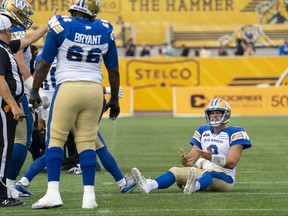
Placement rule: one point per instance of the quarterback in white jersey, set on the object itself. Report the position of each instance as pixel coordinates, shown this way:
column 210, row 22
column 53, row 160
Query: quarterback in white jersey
column 215, row 153
column 80, row 43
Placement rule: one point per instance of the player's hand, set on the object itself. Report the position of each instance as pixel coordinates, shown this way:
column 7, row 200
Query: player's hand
column 35, row 99
column 186, row 160
column 114, row 109
column 205, row 154
column 54, row 11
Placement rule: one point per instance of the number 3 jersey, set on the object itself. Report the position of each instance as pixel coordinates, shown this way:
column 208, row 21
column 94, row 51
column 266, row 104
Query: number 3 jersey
column 80, row 46
column 220, row 143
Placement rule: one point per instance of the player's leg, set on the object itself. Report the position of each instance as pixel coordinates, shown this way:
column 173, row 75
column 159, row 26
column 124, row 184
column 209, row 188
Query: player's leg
column 23, row 139
column 161, row 182
column 109, row 163
column 86, row 128
column 35, row 168
column 208, row 179
column 220, row 182
column 148, row 185
column 61, row 118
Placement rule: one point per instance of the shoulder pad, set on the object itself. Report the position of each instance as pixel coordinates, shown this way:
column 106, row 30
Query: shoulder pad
column 17, row 32
column 104, row 23
column 57, row 23
column 109, row 27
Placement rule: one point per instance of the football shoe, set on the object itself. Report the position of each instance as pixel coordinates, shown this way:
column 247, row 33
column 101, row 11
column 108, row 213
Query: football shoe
column 130, row 185
column 24, row 190
column 143, row 184
column 190, row 186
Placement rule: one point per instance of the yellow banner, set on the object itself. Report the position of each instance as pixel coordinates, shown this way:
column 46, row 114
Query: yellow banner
column 162, row 12
column 244, row 101
column 126, row 103
column 153, row 79
column 151, row 18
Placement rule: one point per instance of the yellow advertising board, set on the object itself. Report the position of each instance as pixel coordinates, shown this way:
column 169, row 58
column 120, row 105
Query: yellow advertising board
column 162, row 11
column 244, row 101
column 126, row 103
column 153, row 79
column 151, row 18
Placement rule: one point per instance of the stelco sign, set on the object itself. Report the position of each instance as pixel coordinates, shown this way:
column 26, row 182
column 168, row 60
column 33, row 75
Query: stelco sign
column 144, row 73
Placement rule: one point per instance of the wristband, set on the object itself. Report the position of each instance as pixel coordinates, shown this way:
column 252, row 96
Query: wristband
column 108, row 90
column 219, row 160
column 29, row 82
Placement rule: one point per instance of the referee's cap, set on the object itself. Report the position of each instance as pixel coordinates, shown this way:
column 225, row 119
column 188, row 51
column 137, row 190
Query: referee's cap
column 4, row 22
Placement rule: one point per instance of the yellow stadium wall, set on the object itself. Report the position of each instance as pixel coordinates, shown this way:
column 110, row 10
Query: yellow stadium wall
column 151, row 18
column 153, row 79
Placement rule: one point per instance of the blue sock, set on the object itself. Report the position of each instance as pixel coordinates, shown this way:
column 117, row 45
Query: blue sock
column 88, row 166
column 54, row 160
column 205, row 180
column 17, row 161
column 109, row 163
column 36, row 167
column 165, row 180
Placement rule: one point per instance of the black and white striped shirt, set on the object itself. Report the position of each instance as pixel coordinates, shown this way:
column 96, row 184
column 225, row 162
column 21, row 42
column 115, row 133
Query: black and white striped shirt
column 10, row 69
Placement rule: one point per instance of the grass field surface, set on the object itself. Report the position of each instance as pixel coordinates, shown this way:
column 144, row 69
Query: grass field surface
column 152, row 145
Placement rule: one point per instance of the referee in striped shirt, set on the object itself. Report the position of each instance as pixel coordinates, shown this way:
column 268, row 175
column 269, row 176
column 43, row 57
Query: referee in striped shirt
column 11, row 92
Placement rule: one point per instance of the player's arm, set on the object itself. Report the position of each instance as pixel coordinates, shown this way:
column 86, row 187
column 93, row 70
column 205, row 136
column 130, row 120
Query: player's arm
column 33, row 37
column 234, row 156
column 111, row 63
column 114, row 80
column 107, row 90
column 40, row 73
column 48, row 55
column 190, row 159
column 37, row 34
column 227, row 162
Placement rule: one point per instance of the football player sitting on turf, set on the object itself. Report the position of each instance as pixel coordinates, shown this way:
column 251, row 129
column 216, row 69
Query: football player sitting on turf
column 216, row 151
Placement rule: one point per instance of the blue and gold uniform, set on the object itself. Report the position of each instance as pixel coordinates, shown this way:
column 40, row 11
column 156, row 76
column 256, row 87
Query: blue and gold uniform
column 80, row 43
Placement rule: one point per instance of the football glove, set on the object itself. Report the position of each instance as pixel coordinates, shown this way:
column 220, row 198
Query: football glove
column 35, row 99
column 114, row 109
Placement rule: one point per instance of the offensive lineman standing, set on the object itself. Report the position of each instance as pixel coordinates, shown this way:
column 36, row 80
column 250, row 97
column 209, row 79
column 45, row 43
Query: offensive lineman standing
column 80, row 43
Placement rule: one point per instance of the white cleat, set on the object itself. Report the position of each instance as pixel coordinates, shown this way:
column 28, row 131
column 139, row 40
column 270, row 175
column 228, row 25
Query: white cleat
column 14, row 193
column 50, row 200
column 190, row 186
column 89, row 202
column 143, row 184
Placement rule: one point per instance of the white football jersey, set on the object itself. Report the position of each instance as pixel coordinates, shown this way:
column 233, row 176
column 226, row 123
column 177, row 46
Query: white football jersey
column 220, row 143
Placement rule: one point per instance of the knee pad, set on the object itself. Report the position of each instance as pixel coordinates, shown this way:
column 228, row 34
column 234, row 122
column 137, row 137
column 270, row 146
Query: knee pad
column 59, row 137
column 87, row 158
column 54, row 153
